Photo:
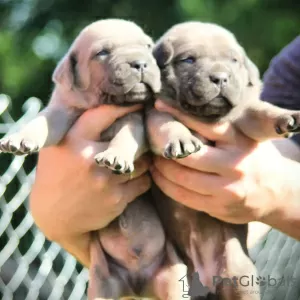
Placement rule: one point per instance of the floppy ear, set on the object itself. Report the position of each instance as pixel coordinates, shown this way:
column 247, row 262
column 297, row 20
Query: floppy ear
column 67, row 73
column 253, row 72
column 163, row 53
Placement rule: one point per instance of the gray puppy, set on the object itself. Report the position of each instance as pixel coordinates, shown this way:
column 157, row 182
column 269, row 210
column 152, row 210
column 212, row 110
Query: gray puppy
column 111, row 62
column 207, row 74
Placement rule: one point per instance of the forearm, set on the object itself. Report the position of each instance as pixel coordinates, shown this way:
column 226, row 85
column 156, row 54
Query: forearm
column 286, row 216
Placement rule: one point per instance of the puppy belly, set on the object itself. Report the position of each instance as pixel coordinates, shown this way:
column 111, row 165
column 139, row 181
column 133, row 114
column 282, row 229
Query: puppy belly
column 134, row 251
column 135, row 245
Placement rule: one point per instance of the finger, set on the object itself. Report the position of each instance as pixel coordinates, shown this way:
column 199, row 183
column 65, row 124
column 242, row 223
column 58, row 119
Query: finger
column 176, row 192
column 78, row 246
column 96, row 120
column 211, row 160
column 141, row 166
column 213, row 132
column 81, row 151
column 86, row 148
column 199, row 182
column 136, row 187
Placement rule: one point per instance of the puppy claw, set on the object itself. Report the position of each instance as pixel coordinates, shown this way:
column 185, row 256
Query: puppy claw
column 109, row 160
column 129, row 170
column 292, row 124
column 117, row 172
column 288, row 123
column 182, row 148
column 113, row 161
column 118, row 166
column 17, row 145
column 198, row 144
column 278, row 130
column 167, row 154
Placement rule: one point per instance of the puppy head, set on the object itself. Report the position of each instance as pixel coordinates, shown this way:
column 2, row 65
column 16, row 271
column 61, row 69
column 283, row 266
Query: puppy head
column 204, row 69
column 110, row 60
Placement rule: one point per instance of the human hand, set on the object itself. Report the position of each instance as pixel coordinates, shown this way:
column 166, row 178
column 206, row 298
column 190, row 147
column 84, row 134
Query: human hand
column 238, row 181
column 72, row 195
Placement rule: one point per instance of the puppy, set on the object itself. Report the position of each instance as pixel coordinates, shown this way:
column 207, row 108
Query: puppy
column 207, row 74
column 111, row 62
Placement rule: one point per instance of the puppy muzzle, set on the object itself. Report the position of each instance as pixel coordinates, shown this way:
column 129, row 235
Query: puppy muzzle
column 132, row 77
column 209, row 98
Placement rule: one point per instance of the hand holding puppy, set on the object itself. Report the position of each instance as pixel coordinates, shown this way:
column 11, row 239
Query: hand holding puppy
column 238, row 180
column 70, row 169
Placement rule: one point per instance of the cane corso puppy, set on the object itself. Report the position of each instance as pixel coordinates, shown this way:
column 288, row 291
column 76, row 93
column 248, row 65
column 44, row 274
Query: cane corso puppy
column 111, row 62
column 207, row 74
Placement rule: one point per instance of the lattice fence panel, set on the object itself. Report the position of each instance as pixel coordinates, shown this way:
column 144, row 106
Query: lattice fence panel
column 31, row 267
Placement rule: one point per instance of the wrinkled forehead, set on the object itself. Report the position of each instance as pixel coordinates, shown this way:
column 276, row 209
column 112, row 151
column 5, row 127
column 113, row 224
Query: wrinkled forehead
column 204, row 40
column 111, row 34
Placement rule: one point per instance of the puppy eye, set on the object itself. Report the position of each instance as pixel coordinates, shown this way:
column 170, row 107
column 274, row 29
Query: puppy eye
column 188, row 60
column 103, row 53
column 234, row 60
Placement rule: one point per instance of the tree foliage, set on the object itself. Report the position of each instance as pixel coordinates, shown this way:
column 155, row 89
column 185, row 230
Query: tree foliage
column 35, row 33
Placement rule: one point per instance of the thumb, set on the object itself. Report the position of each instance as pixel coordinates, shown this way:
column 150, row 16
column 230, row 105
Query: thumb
column 135, row 187
column 94, row 121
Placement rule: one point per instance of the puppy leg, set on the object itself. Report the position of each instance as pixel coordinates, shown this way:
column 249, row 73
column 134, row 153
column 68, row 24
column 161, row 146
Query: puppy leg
column 239, row 267
column 127, row 142
column 261, row 121
column 47, row 129
column 102, row 284
column 169, row 137
column 166, row 282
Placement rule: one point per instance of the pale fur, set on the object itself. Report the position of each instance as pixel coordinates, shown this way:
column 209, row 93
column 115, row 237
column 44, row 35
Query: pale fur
column 192, row 56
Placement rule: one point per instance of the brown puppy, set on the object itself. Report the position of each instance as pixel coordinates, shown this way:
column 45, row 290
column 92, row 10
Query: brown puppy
column 206, row 73
column 111, row 62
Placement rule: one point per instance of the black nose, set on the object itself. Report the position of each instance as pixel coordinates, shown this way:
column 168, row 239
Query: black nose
column 138, row 250
column 139, row 65
column 219, row 78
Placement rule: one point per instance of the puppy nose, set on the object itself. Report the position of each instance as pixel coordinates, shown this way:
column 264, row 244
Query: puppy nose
column 219, row 78
column 138, row 250
column 140, row 65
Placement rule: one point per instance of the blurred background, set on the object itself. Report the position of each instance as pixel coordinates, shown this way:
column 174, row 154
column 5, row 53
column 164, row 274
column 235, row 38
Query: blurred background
column 34, row 35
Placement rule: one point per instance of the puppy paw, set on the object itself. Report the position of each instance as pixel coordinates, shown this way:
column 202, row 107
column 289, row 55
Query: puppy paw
column 288, row 123
column 114, row 161
column 18, row 145
column 182, row 147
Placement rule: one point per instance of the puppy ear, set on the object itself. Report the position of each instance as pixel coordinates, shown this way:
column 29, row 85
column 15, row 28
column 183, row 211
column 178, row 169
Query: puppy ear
column 163, row 53
column 66, row 71
column 253, row 72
